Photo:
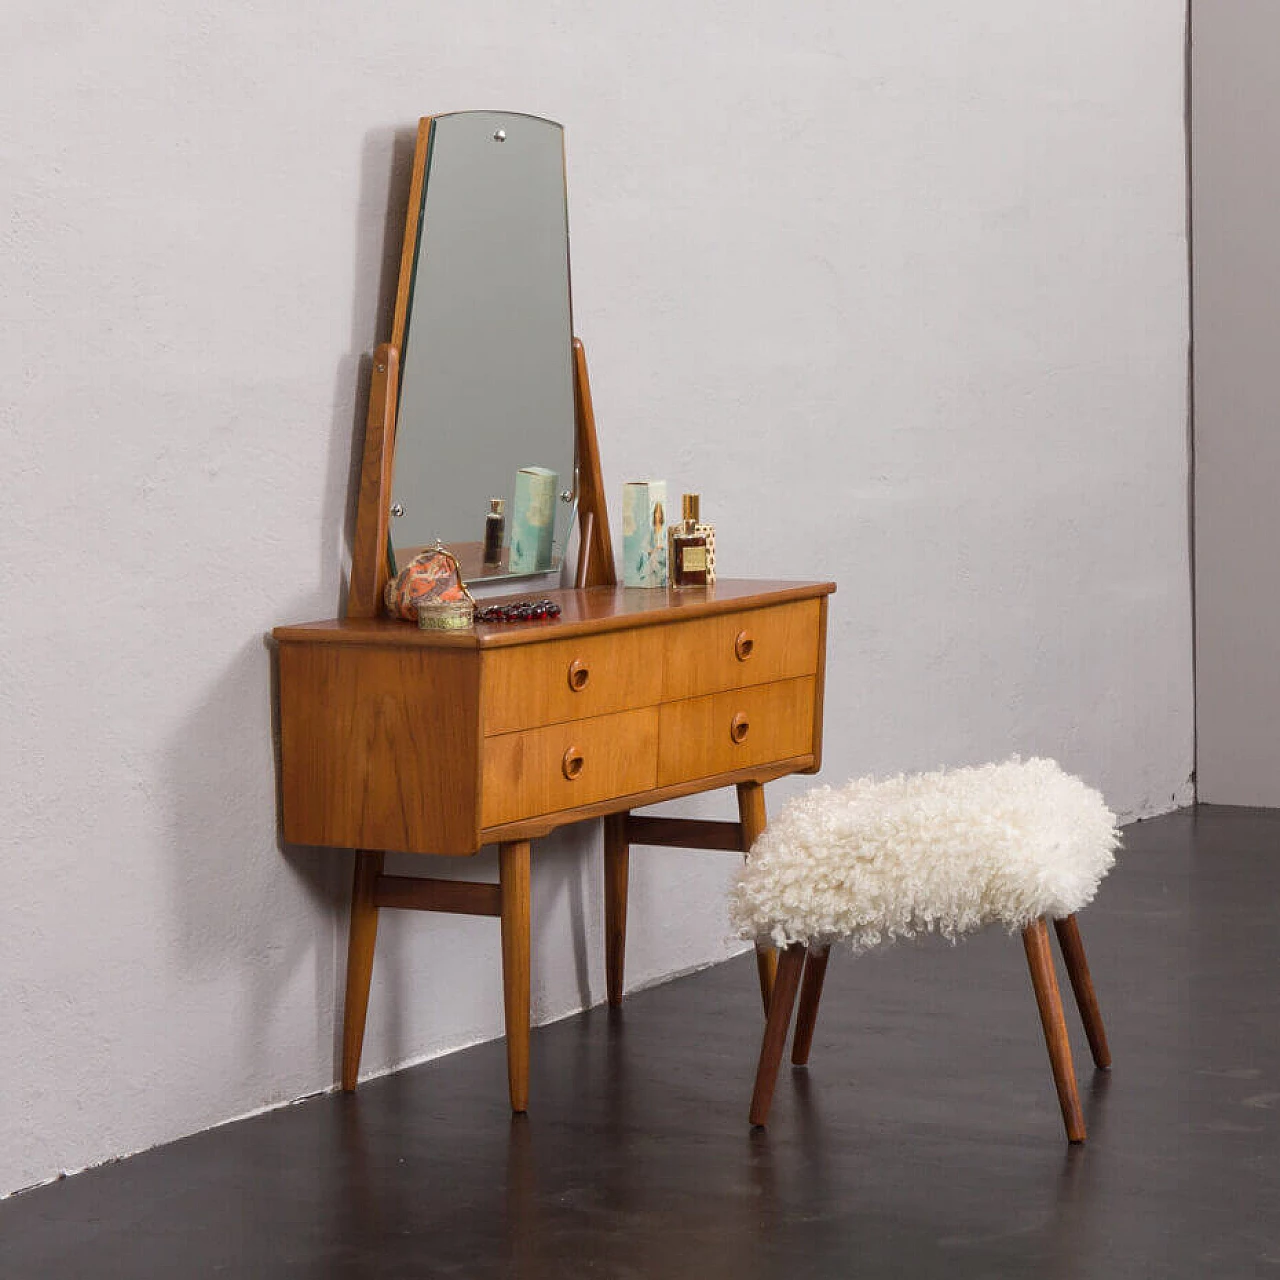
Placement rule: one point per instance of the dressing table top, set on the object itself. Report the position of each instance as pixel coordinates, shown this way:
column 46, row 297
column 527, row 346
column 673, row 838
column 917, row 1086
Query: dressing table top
column 584, row 611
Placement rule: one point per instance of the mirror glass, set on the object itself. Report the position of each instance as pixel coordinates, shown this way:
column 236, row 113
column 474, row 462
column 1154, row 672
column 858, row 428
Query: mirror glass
column 486, row 413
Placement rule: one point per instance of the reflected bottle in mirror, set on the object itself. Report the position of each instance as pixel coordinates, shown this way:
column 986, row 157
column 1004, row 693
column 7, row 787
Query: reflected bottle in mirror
column 495, row 529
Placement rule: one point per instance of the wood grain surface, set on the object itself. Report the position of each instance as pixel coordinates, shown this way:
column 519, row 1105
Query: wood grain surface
column 529, row 685
column 703, row 736
column 702, row 656
column 524, row 773
column 379, row 748
column 584, row 612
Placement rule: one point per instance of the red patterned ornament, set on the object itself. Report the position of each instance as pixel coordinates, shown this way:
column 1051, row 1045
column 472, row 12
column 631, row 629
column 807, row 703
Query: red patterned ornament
column 431, row 577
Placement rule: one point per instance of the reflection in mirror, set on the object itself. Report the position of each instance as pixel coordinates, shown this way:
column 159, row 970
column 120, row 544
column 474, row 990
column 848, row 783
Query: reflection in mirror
column 486, row 407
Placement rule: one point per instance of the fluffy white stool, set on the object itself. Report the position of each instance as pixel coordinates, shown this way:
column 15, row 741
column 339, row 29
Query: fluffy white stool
column 1018, row 844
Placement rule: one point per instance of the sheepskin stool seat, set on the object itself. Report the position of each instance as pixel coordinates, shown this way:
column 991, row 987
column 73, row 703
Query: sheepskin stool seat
column 1018, row 844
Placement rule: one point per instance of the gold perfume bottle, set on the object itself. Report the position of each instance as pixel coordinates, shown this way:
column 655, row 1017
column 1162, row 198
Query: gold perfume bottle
column 687, row 547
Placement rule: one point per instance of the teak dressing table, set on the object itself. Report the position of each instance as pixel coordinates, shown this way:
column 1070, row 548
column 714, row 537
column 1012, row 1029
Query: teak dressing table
column 439, row 743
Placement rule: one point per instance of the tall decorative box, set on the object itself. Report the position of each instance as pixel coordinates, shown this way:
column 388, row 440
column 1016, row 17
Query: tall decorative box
column 644, row 533
column 533, row 520
column 708, row 531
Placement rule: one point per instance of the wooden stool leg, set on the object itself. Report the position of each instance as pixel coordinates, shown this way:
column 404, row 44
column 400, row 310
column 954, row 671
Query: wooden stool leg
column 617, row 857
column 775, row 1030
column 815, row 970
column 513, row 871
column 1068, row 932
column 751, row 814
column 767, row 972
column 361, row 941
column 1035, row 938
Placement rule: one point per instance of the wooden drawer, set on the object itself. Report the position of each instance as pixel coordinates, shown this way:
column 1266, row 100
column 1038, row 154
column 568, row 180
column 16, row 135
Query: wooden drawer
column 540, row 684
column 563, row 766
column 734, row 650
column 736, row 730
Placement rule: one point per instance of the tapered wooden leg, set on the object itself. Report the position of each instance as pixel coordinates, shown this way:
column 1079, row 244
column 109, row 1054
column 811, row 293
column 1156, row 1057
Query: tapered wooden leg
column 815, row 969
column 1035, row 937
column 751, row 814
column 617, row 858
column 361, row 941
column 767, row 972
column 775, row 1030
column 1082, row 984
column 513, row 874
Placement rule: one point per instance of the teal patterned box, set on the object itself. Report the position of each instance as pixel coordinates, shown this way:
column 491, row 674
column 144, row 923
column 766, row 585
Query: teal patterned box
column 644, row 533
column 533, row 520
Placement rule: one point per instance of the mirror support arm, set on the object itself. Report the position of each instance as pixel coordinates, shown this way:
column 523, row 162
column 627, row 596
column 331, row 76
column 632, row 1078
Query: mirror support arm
column 594, row 540
column 369, row 567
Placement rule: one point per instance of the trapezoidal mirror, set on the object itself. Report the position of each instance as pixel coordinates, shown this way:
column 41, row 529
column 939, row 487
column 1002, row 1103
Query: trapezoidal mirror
column 484, row 441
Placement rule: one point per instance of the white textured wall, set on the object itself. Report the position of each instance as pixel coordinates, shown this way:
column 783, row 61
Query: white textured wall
column 900, row 289
column 1236, row 191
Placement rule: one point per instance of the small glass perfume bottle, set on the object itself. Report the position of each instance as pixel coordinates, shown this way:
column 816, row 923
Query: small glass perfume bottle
column 687, row 548
column 495, row 530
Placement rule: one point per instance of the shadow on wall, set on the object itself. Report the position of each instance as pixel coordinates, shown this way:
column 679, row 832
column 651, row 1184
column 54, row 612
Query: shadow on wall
column 265, row 914
column 457, row 961
column 243, row 903
column 564, row 863
column 266, row 921
column 242, row 911
column 386, row 170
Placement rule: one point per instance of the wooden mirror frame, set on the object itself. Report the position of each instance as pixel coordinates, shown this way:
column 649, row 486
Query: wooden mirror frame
column 370, row 561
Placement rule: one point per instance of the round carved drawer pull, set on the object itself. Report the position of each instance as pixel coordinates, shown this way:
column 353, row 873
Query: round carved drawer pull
column 739, row 727
column 743, row 645
column 579, row 675
column 572, row 764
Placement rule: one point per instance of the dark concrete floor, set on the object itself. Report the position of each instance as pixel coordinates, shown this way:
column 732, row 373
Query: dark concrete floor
column 923, row 1141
